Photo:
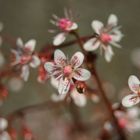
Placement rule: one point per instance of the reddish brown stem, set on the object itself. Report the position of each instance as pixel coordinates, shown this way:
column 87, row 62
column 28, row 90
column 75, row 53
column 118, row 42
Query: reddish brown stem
column 89, row 63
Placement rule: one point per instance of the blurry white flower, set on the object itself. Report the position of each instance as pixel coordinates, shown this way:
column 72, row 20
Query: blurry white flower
column 134, row 98
column 108, row 36
column 79, row 99
column 15, row 84
column 65, row 25
column 64, row 70
column 5, row 136
column 135, row 57
column 24, row 56
column 3, row 124
column 1, row 27
column 2, row 59
column 129, row 120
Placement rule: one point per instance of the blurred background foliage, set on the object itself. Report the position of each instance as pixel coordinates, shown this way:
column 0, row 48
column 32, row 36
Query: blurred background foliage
column 30, row 19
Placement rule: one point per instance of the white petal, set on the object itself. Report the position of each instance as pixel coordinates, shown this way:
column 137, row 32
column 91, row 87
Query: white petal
column 79, row 99
column 108, row 54
column 25, row 72
column 49, row 67
column 35, row 62
column 130, row 100
column 64, row 85
column 113, row 20
column 5, row 136
column 92, row 44
column 19, row 42
column 30, row 45
column 3, row 124
column 54, row 82
column 59, row 39
column 117, row 35
column 81, row 74
column 133, row 112
column 74, row 26
column 59, row 57
column 77, row 59
column 57, row 98
column 115, row 44
column 134, row 83
column 97, row 26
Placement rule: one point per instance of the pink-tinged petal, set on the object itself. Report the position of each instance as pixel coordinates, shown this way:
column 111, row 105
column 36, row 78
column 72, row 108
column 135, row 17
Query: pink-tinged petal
column 77, row 60
column 79, row 99
column 115, row 44
column 130, row 100
column 64, row 86
column 97, row 26
column 3, row 124
column 57, row 98
column 92, row 44
column 113, row 20
column 54, row 82
column 16, row 57
column 49, row 67
column 134, row 83
column 108, row 54
column 19, row 43
column 74, row 26
column 59, row 57
column 35, row 62
column 81, row 74
column 59, row 39
column 25, row 72
column 30, row 45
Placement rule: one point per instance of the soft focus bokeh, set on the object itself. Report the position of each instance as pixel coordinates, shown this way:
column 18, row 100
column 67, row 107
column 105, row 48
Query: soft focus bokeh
column 31, row 19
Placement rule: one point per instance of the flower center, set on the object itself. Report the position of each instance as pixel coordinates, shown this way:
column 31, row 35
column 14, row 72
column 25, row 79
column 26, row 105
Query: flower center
column 105, row 38
column 25, row 59
column 67, row 70
column 123, row 122
column 65, row 24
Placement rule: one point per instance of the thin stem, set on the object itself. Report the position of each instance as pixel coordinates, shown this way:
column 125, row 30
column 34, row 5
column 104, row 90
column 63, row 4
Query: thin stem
column 89, row 63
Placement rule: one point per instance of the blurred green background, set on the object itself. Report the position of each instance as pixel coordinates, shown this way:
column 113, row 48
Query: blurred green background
column 30, row 19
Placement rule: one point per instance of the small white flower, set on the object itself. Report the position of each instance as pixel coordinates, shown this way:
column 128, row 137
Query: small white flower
column 108, row 36
column 134, row 98
column 25, row 57
column 65, row 70
column 65, row 26
column 129, row 120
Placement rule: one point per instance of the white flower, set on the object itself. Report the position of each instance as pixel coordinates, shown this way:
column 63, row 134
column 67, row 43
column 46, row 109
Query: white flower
column 5, row 136
column 64, row 70
column 65, row 25
column 108, row 36
column 129, row 120
column 24, row 56
column 79, row 99
column 134, row 98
